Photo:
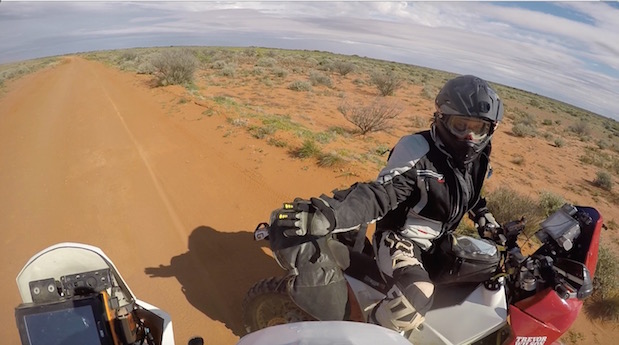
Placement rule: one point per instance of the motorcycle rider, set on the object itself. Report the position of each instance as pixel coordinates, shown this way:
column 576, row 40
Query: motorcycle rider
column 431, row 180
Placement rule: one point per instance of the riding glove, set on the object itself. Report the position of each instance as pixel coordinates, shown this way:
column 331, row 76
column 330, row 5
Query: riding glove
column 302, row 217
column 487, row 226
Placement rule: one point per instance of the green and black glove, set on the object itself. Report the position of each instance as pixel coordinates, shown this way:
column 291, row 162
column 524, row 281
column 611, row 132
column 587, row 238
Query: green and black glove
column 487, row 226
column 302, row 217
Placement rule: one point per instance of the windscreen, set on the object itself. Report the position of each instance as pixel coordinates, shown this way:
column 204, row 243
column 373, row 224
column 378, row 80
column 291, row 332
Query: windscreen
column 73, row 326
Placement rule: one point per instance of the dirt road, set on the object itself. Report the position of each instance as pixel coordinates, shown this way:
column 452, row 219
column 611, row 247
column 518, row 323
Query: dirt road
column 94, row 155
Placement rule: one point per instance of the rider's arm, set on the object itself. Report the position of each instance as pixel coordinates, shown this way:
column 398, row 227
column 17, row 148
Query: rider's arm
column 368, row 202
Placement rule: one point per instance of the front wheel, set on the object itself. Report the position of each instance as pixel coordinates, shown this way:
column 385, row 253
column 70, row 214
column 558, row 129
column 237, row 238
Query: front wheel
column 268, row 303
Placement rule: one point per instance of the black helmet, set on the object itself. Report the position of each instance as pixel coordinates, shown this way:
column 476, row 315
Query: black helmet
column 467, row 113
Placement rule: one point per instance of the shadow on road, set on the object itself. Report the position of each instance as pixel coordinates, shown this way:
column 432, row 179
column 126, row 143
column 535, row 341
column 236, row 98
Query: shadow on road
column 217, row 271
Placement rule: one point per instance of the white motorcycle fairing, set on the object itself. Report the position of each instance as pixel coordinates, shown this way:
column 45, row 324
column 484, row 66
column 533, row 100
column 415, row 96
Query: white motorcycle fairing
column 68, row 258
column 324, row 333
column 483, row 312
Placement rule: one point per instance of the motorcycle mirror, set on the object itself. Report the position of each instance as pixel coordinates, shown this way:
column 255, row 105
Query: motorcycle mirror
column 577, row 276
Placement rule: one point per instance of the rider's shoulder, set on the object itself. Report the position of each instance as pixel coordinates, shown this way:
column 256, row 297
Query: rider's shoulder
column 415, row 144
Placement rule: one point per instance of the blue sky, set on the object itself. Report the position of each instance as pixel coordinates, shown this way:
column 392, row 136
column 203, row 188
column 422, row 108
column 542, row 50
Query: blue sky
column 564, row 50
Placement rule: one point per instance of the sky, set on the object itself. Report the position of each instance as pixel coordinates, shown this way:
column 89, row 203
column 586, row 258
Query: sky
column 568, row 50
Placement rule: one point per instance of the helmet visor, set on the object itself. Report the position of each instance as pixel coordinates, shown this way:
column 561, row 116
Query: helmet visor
column 468, row 128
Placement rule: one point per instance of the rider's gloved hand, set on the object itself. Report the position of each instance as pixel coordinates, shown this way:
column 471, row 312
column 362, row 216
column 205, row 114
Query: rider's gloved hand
column 487, row 226
column 302, row 217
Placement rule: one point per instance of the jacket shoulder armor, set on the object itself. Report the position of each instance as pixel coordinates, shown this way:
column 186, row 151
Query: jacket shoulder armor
column 404, row 156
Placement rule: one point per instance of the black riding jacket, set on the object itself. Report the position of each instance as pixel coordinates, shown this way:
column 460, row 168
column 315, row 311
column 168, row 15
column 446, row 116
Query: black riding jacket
column 421, row 193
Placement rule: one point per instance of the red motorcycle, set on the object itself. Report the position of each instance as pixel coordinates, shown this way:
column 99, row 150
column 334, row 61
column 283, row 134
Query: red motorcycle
column 486, row 292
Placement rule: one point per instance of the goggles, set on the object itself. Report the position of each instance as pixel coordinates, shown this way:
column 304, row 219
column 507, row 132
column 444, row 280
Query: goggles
column 468, row 128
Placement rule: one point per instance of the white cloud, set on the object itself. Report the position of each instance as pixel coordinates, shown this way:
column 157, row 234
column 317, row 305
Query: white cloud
column 574, row 61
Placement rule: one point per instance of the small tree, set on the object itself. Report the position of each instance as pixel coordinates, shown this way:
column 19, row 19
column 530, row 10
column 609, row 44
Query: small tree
column 377, row 116
column 173, row 67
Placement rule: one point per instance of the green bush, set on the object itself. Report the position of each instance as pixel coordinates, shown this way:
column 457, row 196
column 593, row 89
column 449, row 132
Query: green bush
column 332, row 159
column 280, row 72
column 559, row 142
column 386, row 82
column 524, row 130
column 604, row 303
column 307, row 150
column 603, row 180
column 550, row 202
column 300, row 85
column 174, row 67
column 260, row 132
column 343, row 67
column 317, row 78
column 266, row 62
column 507, row 205
column 581, row 128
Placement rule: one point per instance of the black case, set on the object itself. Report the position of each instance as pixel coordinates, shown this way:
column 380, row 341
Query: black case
column 462, row 259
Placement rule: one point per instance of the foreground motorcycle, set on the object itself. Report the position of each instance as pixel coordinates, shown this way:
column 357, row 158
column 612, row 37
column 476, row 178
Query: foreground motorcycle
column 72, row 294
column 485, row 292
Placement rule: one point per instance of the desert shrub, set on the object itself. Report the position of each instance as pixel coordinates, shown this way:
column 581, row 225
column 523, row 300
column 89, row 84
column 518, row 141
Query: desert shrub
column 219, row 64
column 523, row 130
column 603, row 180
column 606, row 280
column 603, row 309
column 145, row 67
column 228, row 71
column 559, row 142
column 518, row 160
column 310, row 61
column 308, row 149
column 331, row 159
column 604, row 303
column 300, row 85
column 522, row 117
column 581, row 128
column 506, row 205
column 238, row 122
column 550, row 202
column 343, row 67
column 546, row 122
column 417, row 121
column 277, row 142
column 257, row 70
column 428, row 92
column 317, row 78
column 534, row 103
column 260, row 132
column 602, row 144
column 280, row 72
column 174, row 67
column 266, row 62
column 377, row 116
column 386, row 82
